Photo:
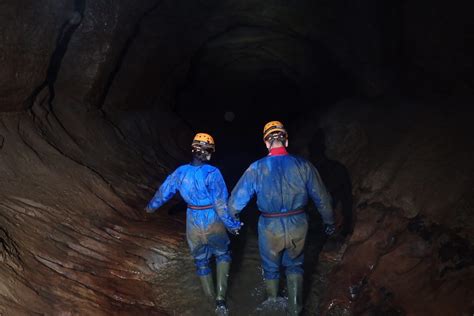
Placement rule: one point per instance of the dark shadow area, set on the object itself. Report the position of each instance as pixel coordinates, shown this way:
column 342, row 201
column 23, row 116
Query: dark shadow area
column 244, row 77
column 62, row 41
column 98, row 104
column 232, row 95
column 338, row 183
column 337, row 180
column 315, row 241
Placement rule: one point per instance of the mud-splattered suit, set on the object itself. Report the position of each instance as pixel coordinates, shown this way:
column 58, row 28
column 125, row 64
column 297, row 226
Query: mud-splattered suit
column 282, row 183
column 201, row 187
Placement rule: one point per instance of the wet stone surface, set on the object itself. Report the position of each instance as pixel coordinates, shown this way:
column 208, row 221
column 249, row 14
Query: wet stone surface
column 179, row 291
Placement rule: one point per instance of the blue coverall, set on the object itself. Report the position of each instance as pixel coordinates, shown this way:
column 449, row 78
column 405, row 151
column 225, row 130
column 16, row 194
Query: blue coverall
column 282, row 184
column 201, row 185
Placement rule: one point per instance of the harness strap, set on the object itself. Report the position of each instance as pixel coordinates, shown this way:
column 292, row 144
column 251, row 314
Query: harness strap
column 283, row 214
column 198, row 207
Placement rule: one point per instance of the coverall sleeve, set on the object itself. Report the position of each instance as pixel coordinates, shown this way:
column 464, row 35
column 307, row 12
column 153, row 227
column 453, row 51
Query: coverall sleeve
column 318, row 193
column 218, row 191
column 166, row 191
column 243, row 191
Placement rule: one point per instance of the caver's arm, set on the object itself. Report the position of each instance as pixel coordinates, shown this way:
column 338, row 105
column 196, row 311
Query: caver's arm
column 166, row 191
column 243, row 191
column 219, row 195
column 318, row 193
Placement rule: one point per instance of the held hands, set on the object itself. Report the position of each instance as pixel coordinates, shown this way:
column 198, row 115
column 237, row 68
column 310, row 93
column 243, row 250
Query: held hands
column 235, row 231
column 232, row 225
column 149, row 209
column 329, row 229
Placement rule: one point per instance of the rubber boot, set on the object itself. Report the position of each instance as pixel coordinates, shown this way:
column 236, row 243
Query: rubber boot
column 222, row 276
column 272, row 288
column 295, row 294
column 208, row 286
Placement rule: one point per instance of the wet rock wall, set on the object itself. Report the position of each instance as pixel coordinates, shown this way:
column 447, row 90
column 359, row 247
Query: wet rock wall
column 87, row 130
column 411, row 252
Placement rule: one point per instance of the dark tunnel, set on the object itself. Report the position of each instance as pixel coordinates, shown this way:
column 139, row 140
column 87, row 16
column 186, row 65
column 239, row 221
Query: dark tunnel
column 248, row 75
column 100, row 101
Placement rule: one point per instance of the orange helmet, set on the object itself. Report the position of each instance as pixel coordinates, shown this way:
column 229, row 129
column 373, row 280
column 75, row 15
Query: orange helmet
column 204, row 140
column 273, row 126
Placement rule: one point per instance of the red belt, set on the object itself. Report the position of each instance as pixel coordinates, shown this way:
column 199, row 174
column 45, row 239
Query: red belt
column 197, row 207
column 295, row 212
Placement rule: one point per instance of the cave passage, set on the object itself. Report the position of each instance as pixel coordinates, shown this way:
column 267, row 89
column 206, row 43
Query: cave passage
column 237, row 82
column 245, row 77
column 235, row 85
column 100, row 100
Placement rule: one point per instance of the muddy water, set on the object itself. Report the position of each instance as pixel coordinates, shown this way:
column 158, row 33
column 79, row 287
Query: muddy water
column 178, row 289
column 180, row 293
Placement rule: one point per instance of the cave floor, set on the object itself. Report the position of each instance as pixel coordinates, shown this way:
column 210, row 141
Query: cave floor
column 76, row 240
column 180, row 293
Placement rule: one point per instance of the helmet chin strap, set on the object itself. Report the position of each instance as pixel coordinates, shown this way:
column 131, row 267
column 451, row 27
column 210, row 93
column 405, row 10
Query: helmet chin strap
column 272, row 141
column 277, row 137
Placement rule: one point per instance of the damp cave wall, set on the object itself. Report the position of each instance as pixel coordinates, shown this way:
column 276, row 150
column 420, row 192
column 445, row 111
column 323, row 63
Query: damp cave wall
column 410, row 163
column 87, row 90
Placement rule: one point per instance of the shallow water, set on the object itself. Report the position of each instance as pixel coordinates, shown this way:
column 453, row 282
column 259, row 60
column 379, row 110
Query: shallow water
column 178, row 289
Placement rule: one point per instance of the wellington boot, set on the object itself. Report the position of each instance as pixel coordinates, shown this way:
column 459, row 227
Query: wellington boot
column 222, row 276
column 271, row 287
column 295, row 294
column 208, row 286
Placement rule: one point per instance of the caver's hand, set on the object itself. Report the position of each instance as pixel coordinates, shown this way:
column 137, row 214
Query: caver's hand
column 232, row 225
column 235, row 231
column 329, row 229
column 149, row 209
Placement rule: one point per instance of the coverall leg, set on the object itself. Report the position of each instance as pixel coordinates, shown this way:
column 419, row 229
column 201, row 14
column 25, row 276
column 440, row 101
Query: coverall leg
column 271, row 243
column 293, row 255
column 207, row 236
